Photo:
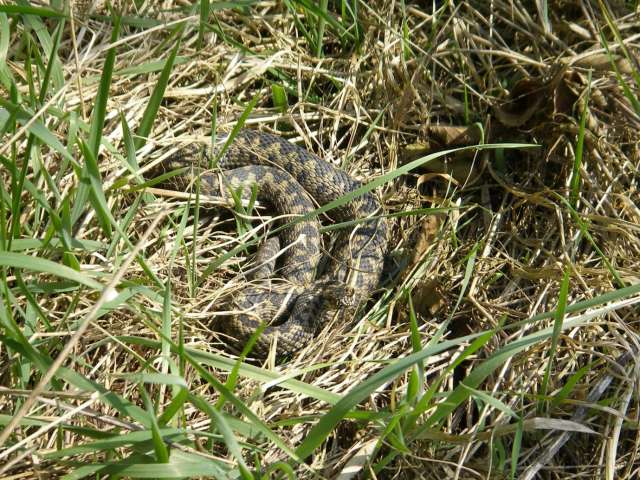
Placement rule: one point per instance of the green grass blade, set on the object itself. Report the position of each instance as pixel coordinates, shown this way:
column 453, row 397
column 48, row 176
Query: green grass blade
column 31, row 10
column 37, row 128
column 279, row 96
column 204, row 20
column 320, row 13
column 570, row 384
column 193, row 357
column 229, row 437
column 321, row 26
column 360, row 392
column 41, row 265
column 149, row 115
column 584, row 229
column 491, row 400
column 181, row 465
column 162, row 454
column 42, row 362
column 515, row 450
column 630, row 92
column 129, row 147
column 93, row 188
column 231, row 398
column 575, row 175
column 557, row 328
column 175, row 406
column 44, row 86
column 417, row 374
column 100, row 104
column 96, row 194
column 424, row 404
column 118, row 441
column 42, row 32
column 6, row 78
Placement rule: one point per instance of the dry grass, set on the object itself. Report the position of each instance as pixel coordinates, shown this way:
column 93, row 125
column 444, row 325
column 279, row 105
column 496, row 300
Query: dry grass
column 518, row 240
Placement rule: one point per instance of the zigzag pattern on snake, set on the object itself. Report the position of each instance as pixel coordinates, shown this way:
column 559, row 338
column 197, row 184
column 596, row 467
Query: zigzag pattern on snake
column 293, row 181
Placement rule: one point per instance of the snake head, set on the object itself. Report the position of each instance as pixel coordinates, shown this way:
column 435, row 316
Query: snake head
column 327, row 296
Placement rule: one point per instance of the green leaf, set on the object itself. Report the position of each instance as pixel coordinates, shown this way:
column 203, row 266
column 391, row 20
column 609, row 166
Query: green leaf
column 227, row 364
column 156, row 378
column 94, row 188
column 577, row 162
column 129, row 146
column 6, row 78
column 36, row 23
column 174, row 406
column 491, row 400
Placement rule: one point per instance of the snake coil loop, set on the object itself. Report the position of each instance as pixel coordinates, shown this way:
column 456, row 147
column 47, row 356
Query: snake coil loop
column 294, row 180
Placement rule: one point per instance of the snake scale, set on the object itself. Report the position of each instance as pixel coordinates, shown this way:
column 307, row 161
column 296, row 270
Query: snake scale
column 298, row 298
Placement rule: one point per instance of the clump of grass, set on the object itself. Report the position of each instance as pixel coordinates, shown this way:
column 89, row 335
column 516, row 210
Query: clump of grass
column 509, row 311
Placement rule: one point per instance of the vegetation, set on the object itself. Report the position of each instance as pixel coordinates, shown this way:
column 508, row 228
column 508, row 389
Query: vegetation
column 503, row 342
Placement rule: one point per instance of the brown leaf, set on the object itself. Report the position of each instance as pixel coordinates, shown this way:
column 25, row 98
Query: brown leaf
column 452, row 136
column 602, row 62
column 564, row 97
column 461, row 164
column 528, row 97
column 523, row 102
column 426, row 236
column 426, row 297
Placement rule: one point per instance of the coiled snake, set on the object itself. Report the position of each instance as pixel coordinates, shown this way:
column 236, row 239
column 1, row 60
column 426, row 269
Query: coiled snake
column 293, row 180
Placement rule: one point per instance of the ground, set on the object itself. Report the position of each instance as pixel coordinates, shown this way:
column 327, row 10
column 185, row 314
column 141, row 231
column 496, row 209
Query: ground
column 503, row 340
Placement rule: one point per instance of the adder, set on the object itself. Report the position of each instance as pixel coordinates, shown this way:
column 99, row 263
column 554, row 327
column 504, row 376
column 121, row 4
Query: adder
column 300, row 298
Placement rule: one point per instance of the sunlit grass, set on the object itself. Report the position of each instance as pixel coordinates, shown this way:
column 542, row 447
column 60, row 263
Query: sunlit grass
column 510, row 288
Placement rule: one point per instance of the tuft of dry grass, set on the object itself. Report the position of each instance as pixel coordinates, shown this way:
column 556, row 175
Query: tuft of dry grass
column 503, row 342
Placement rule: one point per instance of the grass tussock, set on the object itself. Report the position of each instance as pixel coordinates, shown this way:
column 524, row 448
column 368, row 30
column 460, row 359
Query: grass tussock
column 503, row 342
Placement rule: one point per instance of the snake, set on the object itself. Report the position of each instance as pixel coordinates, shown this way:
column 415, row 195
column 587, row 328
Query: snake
column 298, row 293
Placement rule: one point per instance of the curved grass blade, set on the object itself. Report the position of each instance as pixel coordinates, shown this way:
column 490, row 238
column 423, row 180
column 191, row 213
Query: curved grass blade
column 181, row 465
column 43, row 362
column 248, row 371
column 229, row 438
column 118, row 441
column 26, row 262
column 360, row 392
column 223, row 390
column 42, row 32
column 37, row 128
column 162, row 454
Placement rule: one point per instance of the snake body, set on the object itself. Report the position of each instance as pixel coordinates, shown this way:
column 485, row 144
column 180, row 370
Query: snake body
column 294, row 180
